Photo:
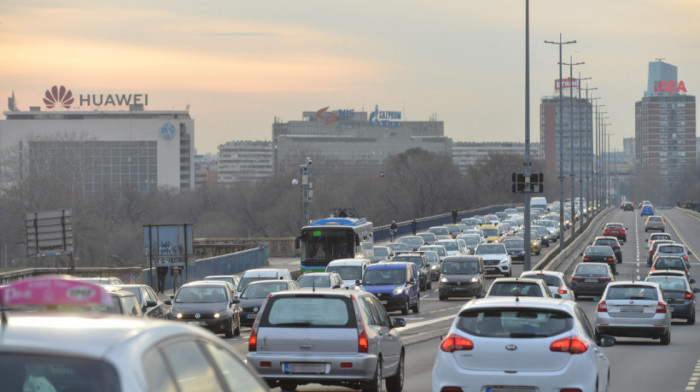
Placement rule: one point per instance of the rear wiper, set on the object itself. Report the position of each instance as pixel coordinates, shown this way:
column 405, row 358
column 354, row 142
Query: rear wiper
column 526, row 335
column 641, row 298
column 295, row 324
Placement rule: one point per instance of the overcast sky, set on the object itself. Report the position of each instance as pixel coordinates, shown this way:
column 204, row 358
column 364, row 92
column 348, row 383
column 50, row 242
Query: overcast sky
column 239, row 64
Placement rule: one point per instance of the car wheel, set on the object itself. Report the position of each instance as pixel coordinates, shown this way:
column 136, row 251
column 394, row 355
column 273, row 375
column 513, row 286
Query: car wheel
column 422, row 287
column 442, row 297
column 691, row 319
column 375, row 384
column 430, row 285
column 646, row 231
column 666, row 339
column 507, row 274
column 538, row 252
column 395, row 382
column 288, row 387
column 405, row 309
column 416, row 307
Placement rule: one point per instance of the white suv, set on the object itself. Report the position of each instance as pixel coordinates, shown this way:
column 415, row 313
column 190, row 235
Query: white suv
column 496, row 258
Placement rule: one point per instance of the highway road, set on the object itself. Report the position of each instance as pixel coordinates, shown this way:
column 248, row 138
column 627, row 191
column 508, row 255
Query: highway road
column 637, row 364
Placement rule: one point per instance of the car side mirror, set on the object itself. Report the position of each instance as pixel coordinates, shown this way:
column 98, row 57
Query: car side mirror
column 607, row 341
column 398, row 322
column 150, row 304
column 557, row 295
column 168, row 302
column 412, row 281
column 235, row 300
column 690, row 253
column 691, row 281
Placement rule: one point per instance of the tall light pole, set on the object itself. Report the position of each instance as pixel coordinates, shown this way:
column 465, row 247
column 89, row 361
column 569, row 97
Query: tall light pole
column 528, row 171
column 599, row 137
column 571, row 138
column 580, row 149
column 307, row 192
column 607, row 164
column 590, row 168
column 561, row 146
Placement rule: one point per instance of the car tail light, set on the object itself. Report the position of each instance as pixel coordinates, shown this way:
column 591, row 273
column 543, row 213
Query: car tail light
column 576, row 278
column 562, row 290
column 604, row 279
column 653, row 268
column 362, row 341
column 571, row 345
column 688, row 296
column 602, row 307
column 586, row 259
column 611, row 259
column 451, row 389
column 454, row 343
column 253, row 341
column 660, row 307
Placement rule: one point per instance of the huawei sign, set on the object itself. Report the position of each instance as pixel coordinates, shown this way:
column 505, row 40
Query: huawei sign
column 58, row 96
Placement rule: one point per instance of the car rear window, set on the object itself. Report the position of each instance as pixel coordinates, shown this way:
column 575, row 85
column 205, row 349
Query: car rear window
column 670, row 283
column 347, row 272
column 549, row 280
column 524, row 289
column 309, row 311
column 591, row 269
column 671, row 249
column 631, row 292
column 35, row 372
column 598, row 250
column 514, row 323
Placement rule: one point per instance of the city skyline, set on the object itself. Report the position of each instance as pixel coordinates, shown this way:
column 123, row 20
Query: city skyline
column 240, row 65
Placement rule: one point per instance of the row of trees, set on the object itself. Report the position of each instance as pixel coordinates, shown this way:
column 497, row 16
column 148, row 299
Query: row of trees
column 108, row 224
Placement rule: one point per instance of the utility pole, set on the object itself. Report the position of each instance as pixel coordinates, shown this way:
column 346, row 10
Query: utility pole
column 580, row 150
column 527, row 262
column 562, row 228
column 571, row 138
column 307, row 192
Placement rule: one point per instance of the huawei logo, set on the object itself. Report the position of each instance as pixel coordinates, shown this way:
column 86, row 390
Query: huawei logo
column 58, row 96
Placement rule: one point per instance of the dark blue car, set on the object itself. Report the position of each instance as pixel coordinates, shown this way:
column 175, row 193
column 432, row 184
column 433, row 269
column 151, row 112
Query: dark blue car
column 396, row 284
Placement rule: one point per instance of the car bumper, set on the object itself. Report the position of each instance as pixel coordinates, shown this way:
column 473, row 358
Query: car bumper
column 326, row 367
column 248, row 318
column 220, row 325
column 632, row 326
column 392, row 303
column 460, row 290
column 580, row 372
column 584, row 288
column 681, row 310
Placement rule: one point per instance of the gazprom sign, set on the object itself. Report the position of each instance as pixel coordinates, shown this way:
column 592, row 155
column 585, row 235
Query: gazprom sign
column 384, row 118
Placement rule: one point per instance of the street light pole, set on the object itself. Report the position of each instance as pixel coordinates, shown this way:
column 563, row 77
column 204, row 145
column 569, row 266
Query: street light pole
column 528, row 171
column 580, row 150
column 590, row 168
column 571, row 138
column 561, row 147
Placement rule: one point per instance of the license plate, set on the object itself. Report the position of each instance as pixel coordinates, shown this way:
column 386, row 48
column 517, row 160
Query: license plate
column 307, row 368
column 197, row 322
column 490, row 269
column 384, row 302
column 251, row 316
column 671, row 307
column 591, row 280
column 631, row 308
column 511, row 389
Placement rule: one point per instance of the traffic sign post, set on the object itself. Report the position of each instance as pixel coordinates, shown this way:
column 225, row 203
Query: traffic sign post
column 50, row 233
column 524, row 184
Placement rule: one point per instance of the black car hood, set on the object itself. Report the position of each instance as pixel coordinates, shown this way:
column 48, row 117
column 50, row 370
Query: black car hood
column 201, row 307
column 248, row 302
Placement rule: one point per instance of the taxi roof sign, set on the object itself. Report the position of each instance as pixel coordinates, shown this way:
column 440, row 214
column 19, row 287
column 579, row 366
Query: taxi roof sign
column 54, row 291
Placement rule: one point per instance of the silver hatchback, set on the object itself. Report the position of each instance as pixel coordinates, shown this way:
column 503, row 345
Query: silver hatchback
column 329, row 337
column 634, row 309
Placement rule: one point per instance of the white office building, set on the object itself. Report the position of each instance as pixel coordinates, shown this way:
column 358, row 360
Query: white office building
column 245, row 161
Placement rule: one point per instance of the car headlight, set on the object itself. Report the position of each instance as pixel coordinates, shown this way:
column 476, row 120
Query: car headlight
column 433, row 267
column 178, row 315
column 474, row 280
column 217, row 315
column 444, row 280
column 504, row 261
column 398, row 290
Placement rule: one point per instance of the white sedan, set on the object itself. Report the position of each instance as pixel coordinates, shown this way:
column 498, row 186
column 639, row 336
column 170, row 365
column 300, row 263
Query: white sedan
column 554, row 280
column 521, row 343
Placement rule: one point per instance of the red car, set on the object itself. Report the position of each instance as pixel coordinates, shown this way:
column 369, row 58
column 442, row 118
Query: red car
column 616, row 230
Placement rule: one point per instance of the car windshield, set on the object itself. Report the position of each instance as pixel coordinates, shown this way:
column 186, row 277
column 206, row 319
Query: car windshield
column 440, row 250
column 439, row 230
column 631, row 292
column 460, row 267
column 654, row 219
column 432, row 257
column 263, row 289
column 135, row 290
column 382, row 252
column 490, row 232
column 245, row 281
column 384, row 277
column 417, row 260
column 44, row 372
column 514, row 323
column 412, row 240
column 309, row 312
column 486, row 249
column 514, row 244
column 314, row 281
column 549, row 280
column 201, row 294
column 398, row 247
column 449, row 245
column 346, row 272
column 607, row 242
column 221, row 279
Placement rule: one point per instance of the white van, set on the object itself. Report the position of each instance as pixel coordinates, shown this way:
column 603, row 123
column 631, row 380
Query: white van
column 351, row 270
column 254, row 275
column 539, row 202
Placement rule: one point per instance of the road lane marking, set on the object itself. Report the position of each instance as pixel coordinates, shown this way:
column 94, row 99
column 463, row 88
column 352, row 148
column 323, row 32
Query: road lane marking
column 694, row 377
column 678, row 233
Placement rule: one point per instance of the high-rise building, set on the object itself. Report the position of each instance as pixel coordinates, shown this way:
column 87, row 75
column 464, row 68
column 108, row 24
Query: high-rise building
column 103, row 141
column 580, row 130
column 353, row 140
column 245, row 161
column 665, row 134
column 658, row 70
column 465, row 154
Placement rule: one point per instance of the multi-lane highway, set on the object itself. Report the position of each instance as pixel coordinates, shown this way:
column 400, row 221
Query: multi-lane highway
column 637, row 364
